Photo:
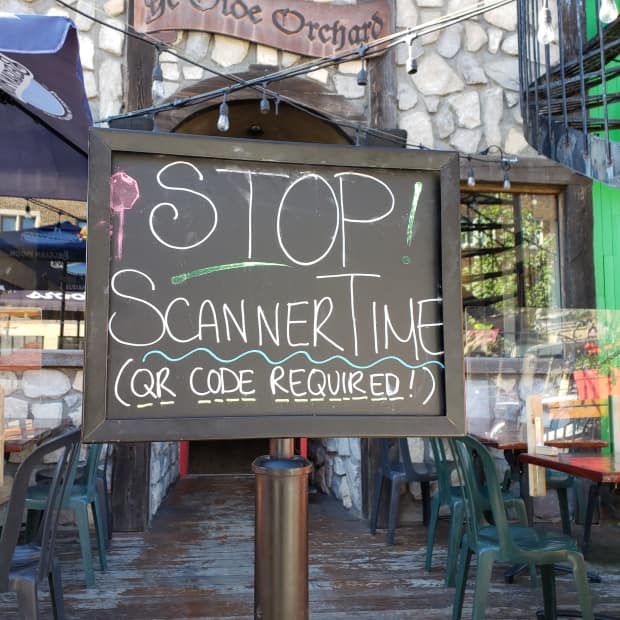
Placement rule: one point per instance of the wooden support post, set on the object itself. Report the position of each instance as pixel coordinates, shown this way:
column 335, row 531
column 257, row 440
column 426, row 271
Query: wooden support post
column 2, row 436
column 131, row 470
column 130, row 487
column 535, row 437
column 614, row 422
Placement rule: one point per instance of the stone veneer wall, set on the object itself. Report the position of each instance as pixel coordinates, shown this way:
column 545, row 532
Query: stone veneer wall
column 464, row 97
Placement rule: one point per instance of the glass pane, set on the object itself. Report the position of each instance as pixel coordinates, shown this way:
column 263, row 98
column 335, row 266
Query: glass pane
column 569, row 359
column 509, row 249
column 8, row 222
column 28, row 222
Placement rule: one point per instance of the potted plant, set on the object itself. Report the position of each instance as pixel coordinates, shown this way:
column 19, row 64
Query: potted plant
column 597, row 370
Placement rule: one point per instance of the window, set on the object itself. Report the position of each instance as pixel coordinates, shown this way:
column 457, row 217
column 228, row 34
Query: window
column 510, row 261
column 8, row 223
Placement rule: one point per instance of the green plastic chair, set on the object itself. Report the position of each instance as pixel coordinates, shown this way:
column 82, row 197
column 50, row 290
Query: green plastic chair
column 502, row 542
column 451, row 495
column 81, row 495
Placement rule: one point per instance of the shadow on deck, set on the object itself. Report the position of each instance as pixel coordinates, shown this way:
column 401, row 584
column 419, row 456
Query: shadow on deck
column 197, row 561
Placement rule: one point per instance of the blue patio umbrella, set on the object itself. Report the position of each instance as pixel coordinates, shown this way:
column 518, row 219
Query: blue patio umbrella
column 39, row 258
column 44, row 112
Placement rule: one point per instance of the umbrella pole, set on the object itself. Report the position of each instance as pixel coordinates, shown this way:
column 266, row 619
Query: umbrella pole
column 61, row 343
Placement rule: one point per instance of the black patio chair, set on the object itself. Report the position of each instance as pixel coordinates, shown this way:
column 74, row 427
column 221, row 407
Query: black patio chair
column 397, row 467
column 23, row 566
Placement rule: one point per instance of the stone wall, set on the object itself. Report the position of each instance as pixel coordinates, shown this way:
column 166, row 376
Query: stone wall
column 51, row 395
column 164, row 471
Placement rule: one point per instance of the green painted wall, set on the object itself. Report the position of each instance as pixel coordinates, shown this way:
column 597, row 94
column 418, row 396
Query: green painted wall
column 606, row 206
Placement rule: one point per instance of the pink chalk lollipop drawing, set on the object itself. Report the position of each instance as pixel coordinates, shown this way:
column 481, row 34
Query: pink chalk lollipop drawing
column 124, row 192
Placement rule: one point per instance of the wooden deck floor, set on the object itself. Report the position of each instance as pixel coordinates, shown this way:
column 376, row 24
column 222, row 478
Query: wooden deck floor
column 196, row 561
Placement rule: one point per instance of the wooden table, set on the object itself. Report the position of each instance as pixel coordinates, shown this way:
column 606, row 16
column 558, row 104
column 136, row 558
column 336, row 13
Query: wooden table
column 599, row 468
column 514, row 444
column 22, row 437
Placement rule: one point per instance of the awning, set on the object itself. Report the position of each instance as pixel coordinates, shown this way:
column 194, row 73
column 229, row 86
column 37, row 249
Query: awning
column 44, row 112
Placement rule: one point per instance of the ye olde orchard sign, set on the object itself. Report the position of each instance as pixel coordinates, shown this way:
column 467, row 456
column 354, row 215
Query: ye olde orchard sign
column 259, row 289
column 307, row 28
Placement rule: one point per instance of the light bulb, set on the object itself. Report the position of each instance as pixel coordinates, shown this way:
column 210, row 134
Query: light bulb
column 545, row 34
column 223, row 124
column 157, row 84
column 507, row 184
column 157, row 90
column 608, row 11
column 362, row 75
column 412, row 63
column 471, row 179
column 264, row 105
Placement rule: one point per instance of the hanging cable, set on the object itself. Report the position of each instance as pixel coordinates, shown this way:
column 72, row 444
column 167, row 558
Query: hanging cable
column 377, row 46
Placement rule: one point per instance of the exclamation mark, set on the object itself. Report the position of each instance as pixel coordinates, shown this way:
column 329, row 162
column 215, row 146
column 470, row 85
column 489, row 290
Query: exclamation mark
column 417, row 190
column 411, row 378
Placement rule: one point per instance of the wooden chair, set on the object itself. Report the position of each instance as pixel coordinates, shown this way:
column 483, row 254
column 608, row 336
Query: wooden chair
column 24, row 566
column 574, row 425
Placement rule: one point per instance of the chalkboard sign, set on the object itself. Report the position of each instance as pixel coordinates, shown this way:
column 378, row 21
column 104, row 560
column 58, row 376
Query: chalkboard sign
column 257, row 289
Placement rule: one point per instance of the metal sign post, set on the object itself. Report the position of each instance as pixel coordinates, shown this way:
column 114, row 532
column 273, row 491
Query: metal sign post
column 281, row 536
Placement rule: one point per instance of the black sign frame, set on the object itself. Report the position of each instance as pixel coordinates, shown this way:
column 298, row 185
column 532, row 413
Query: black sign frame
column 101, row 421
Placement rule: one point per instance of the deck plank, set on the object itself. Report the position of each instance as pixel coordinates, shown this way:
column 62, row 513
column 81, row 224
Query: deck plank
column 196, row 561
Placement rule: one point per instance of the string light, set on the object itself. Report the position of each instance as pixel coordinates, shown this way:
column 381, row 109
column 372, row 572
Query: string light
column 471, row 180
column 412, row 63
column 362, row 74
column 506, row 166
column 505, row 161
column 382, row 44
column 223, row 122
column 264, row 103
column 157, row 83
column 608, row 11
column 545, row 34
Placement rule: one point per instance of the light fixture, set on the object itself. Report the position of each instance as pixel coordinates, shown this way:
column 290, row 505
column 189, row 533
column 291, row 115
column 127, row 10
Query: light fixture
column 223, row 123
column 506, row 166
column 157, row 81
column 471, row 179
column 276, row 104
column 545, row 34
column 608, row 11
column 27, row 208
column 362, row 74
column 264, row 106
column 412, row 63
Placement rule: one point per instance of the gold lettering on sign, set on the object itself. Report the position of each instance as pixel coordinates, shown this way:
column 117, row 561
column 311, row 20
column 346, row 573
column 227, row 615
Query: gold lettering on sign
column 300, row 26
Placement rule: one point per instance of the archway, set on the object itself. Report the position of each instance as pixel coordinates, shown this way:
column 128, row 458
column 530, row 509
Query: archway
column 301, row 115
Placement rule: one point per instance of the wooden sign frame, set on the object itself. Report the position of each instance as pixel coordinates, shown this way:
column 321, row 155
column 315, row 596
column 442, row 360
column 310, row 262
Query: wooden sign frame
column 381, row 172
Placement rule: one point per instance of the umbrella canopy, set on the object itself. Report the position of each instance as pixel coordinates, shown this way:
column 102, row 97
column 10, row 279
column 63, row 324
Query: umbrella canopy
column 39, row 257
column 44, row 112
